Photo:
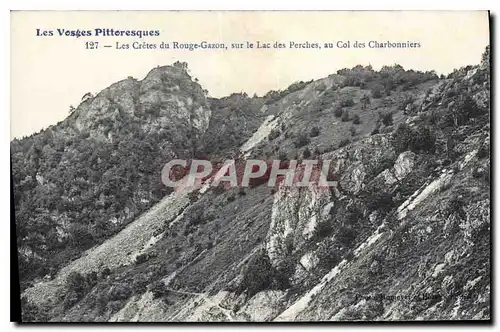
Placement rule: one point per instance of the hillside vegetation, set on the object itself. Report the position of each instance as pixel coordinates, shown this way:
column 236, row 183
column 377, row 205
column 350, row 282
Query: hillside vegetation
column 404, row 235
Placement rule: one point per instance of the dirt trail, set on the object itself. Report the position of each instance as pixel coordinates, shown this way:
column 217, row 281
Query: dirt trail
column 207, row 299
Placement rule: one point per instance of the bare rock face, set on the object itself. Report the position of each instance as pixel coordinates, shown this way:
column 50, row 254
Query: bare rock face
column 404, row 164
column 166, row 101
column 352, row 163
column 402, row 167
column 170, row 91
column 309, row 261
column 263, row 307
column 295, row 214
column 107, row 107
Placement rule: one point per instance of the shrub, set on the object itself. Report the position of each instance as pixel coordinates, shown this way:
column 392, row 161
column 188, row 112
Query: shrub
column 105, row 273
column 386, row 118
column 483, row 152
column 482, row 173
column 352, row 216
column 282, row 274
column 282, row 156
column 356, row 119
column 407, row 100
column 275, row 133
column 258, row 274
column 306, row 153
column 417, row 140
column 346, row 236
column 314, row 131
column 365, row 101
column 465, row 109
column 353, row 131
column 377, row 91
column 193, row 197
column 323, row 229
column 338, row 112
column 455, row 204
column 231, row 198
column 159, row 290
column 141, row 258
column 379, row 201
column 345, row 116
column 423, row 140
column 344, row 142
column 77, row 286
column 120, row 291
column 218, row 189
column 301, row 140
column 347, row 102
column 328, row 258
column 379, row 165
column 75, row 282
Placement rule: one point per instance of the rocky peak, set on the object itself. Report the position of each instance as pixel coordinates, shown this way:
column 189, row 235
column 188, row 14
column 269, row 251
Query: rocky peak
column 166, row 100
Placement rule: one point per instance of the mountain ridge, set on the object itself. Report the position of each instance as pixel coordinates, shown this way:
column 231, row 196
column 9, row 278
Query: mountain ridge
column 397, row 137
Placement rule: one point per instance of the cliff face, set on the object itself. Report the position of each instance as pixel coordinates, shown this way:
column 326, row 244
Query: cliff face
column 404, row 234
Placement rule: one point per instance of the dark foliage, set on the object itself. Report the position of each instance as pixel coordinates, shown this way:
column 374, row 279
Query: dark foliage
column 338, row 112
column 344, row 142
column 421, row 139
column 301, row 140
column 258, row 275
column 377, row 91
column 345, row 116
column 306, row 153
column 376, row 130
column 329, row 258
column 84, row 183
column 323, row 229
column 314, row 131
column 483, row 152
column 386, row 118
column 365, row 101
column 159, row 290
column 347, row 102
column 77, row 286
column 379, row 201
column 356, row 120
column 346, row 236
column 275, row 133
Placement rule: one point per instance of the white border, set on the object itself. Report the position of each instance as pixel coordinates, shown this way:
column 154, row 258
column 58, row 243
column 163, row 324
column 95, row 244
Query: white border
column 8, row 5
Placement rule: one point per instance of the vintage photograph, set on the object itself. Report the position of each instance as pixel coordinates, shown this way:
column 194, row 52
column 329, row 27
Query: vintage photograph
column 259, row 167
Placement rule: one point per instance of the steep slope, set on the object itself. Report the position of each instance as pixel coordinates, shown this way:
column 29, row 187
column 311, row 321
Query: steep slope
column 83, row 180
column 404, row 235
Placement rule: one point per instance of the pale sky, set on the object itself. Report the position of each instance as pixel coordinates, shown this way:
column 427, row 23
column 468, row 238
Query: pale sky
column 48, row 74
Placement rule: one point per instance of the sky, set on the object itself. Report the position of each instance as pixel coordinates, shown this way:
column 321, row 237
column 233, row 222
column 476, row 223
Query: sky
column 50, row 73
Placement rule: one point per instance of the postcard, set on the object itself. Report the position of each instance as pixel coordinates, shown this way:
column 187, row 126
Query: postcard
column 250, row 166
